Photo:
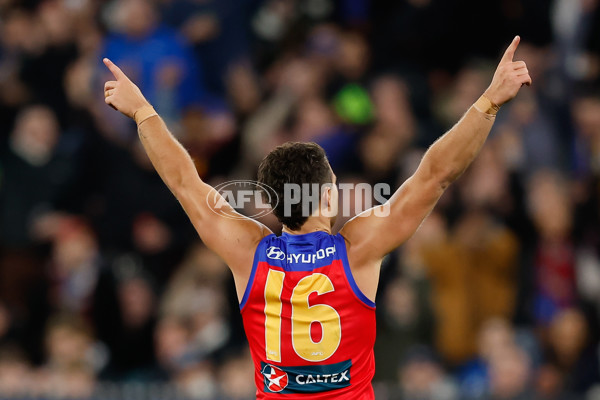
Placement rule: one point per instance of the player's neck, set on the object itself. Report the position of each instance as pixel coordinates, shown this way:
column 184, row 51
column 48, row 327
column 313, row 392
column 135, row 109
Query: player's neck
column 311, row 225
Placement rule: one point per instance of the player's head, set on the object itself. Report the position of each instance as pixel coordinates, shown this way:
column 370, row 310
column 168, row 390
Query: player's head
column 306, row 168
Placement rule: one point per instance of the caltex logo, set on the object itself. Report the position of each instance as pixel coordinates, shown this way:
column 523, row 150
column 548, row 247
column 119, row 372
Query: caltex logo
column 275, row 379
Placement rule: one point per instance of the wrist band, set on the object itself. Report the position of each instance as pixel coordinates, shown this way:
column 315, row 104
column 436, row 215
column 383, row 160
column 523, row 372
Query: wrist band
column 143, row 114
column 486, row 106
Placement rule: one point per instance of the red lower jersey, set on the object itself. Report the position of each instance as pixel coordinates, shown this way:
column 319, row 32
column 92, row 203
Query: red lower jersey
column 311, row 330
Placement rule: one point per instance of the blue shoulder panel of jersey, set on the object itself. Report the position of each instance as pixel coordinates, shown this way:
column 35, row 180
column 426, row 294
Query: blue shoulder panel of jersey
column 299, row 252
column 303, row 253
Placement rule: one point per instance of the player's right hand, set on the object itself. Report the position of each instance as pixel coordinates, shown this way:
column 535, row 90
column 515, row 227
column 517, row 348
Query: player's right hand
column 122, row 94
column 509, row 77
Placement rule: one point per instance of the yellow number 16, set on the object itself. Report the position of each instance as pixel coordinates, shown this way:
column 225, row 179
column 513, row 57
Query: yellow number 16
column 303, row 316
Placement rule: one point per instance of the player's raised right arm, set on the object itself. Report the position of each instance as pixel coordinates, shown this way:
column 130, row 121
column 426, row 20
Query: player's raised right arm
column 370, row 236
column 233, row 239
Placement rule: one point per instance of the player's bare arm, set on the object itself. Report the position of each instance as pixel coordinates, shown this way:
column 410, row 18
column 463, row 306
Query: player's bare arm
column 370, row 238
column 234, row 240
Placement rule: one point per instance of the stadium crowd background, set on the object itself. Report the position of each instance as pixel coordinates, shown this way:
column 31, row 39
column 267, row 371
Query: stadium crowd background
column 106, row 290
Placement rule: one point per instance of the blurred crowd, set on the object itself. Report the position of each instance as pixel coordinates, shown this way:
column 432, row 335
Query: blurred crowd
column 105, row 289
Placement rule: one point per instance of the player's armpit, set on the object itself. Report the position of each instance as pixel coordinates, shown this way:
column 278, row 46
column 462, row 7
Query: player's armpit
column 378, row 231
column 231, row 235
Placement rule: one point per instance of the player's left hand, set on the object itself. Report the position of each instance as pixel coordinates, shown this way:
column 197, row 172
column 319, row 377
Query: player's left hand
column 509, row 77
column 122, row 94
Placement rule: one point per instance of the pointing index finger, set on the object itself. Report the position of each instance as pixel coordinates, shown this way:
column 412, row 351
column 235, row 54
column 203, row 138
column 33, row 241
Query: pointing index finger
column 510, row 51
column 116, row 71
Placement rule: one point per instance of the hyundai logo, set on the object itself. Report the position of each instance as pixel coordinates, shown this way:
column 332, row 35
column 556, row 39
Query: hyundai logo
column 275, row 253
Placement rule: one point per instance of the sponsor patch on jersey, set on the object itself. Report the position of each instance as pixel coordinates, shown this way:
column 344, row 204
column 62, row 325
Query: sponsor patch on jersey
column 306, row 379
column 275, row 379
column 275, row 253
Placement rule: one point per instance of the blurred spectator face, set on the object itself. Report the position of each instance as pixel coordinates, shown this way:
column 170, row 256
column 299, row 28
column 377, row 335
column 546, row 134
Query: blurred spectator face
column 208, row 265
column 299, row 76
column 421, row 377
column 78, row 383
column 35, row 134
column 524, row 109
column 509, row 146
column 197, row 382
column 78, row 79
column 549, row 205
column 193, row 125
column 471, row 82
column 207, row 307
column 20, row 32
column 169, row 75
column 548, row 382
column 201, row 28
column 221, row 125
column 473, row 229
column 486, row 183
column 55, row 19
column 136, row 17
column 15, row 373
column 205, row 132
column 74, row 267
column 150, row 234
column 137, row 301
column 432, row 231
column 68, row 343
column 236, row 378
column 171, row 338
column 391, row 99
column 5, row 320
column 418, row 377
column 400, row 302
column 323, row 43
column 496, row 335
column 394, row 129
column 74, row 245
column 207, row 311
column 353, row 56
column 243, row 88
column 191, row 295
column 314, row 118
column 568, row 335
column 586, row 111
column 509, row 373
column 379, row 152
column 75, row 382
column 272, row 20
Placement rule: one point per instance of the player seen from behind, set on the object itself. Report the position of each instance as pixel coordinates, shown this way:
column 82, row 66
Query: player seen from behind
column 307, row 297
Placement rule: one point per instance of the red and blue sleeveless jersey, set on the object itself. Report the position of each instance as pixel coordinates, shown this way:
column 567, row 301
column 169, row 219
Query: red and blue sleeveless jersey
column 311, row 330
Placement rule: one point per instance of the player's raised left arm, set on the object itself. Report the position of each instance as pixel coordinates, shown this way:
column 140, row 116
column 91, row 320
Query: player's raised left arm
column 234, row 239
column 371, row 237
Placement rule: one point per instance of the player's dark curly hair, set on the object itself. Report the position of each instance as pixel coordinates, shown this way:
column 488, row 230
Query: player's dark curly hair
column 293, row 162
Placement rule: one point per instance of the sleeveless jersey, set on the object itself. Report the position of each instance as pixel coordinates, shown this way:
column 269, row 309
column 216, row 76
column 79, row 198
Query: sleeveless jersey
column 311, row 330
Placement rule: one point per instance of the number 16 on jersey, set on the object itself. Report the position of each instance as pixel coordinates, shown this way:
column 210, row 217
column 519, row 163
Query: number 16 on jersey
column 303, row 317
